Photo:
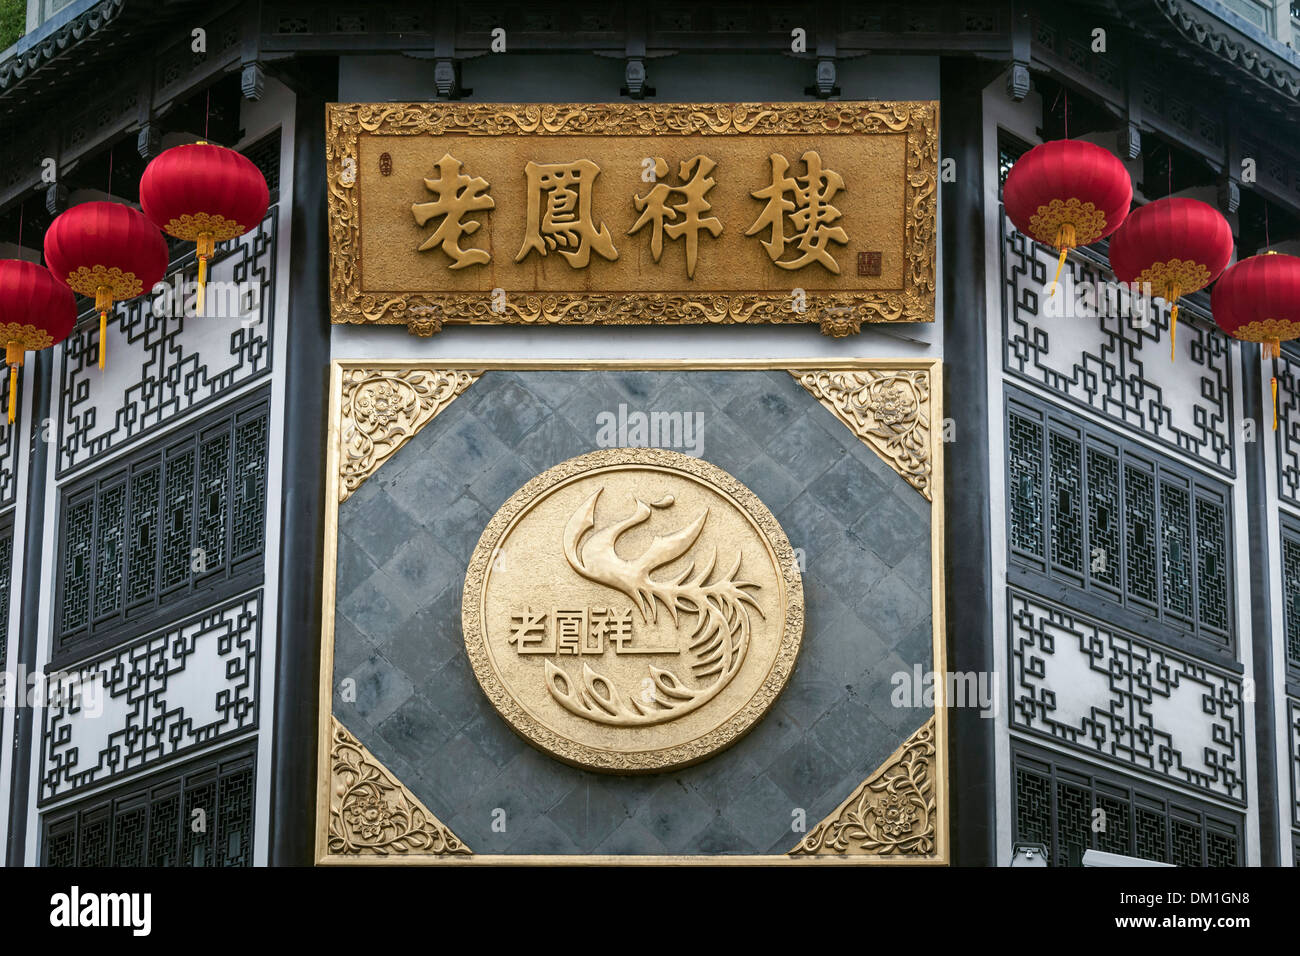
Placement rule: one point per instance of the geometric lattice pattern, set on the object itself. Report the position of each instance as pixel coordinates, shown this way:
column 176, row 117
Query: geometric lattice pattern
column 1291, row 593
column 177, row 526
column 6, row 581
column 1287, row 435
column 190, row 685
column 1114, row 364
column 1096, row 688
column 1070, row 808
column 1293, row 738
column 201, row 815
column 1091, row 510
column 162, row 366
column 9, row 444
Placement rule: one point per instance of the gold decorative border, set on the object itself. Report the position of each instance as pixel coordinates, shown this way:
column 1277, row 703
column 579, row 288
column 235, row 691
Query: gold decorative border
column 888, row 410
column 891, row 812
column 372, row 812
column 383, row 409
column 325, row 782
column 701, row 748
column 837, row 313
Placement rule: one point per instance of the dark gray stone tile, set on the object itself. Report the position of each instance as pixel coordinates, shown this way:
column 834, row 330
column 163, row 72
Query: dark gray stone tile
column 848, row 491
column 380, row 690
column 540, row 836
column 720, row 837
column 761, row 813
column 892, row 530
column 551, row 442
column 510, row 411
column 805, row 770
column 421, row 568
column 459, row 770
column 631, row 838
column 409, row 727
column 377, row 606
column 588, row 814
column 540, row 778
column 455, row 691
column 373, row 523
column 674, row 814
column 428, row 639
column 810, row 448
column 494, row 818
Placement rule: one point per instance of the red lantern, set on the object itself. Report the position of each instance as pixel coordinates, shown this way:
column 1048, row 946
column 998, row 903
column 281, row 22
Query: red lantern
column 108, row 251
column 36, row 312
column 1176, row 246
column 204, row 194
column 1258, row 300
column 1067, row 193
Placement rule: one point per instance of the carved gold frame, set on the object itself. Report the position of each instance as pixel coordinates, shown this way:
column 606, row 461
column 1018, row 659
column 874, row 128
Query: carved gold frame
column 837, row 313
column 864, row 829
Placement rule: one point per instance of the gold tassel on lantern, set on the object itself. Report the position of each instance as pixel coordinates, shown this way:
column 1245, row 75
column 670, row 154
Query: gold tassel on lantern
column 1171, row 296
column 1065, row 241
column 1274, row 348
column 14, row 356
column 207, row 246
column 103, row 302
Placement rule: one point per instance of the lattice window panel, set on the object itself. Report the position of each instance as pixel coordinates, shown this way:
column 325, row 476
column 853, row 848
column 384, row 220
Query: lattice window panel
column 1086, row 684
column 177, row 525
column 148, row 824
column 1057, row 803
column 1291, row 595
column 6, row 582
column 9, row 444
column 1119, row 523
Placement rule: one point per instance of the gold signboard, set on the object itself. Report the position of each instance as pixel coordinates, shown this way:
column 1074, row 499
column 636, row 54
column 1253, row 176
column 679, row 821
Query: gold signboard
column 632, row 213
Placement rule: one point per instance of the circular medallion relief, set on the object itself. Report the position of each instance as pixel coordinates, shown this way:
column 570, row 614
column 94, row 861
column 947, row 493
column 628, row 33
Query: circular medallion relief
column 633, row 610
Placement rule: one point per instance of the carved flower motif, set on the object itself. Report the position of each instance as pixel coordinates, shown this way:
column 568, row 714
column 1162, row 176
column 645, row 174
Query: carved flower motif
column 378, row 405
column 890, row 406
column 370, row 816
column 896, row 815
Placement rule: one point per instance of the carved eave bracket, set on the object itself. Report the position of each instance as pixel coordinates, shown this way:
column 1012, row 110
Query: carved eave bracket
column 888, row 409
column 891, row 813
column 381, row 410
column 372, row 813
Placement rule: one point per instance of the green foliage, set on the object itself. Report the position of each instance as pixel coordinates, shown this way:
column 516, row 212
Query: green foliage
column 13, row 20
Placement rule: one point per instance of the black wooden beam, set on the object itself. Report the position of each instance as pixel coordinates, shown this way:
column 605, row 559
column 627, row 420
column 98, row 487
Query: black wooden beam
column 1259, row 515
column 302, row 522
column 967, row 492
column 41, row 370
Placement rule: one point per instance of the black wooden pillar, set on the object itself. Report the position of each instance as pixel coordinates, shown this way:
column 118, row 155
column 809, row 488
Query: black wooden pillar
column 298, row 617
column 966, row 466
column 1259, row 515
column 41, row 370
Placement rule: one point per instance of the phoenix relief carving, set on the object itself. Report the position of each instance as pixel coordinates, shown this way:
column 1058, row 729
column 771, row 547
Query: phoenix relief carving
column 717, row 607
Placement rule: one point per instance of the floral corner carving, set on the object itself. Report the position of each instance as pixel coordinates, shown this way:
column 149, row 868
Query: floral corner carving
column 888, row 410
column 891, row 813
column 372, row 813
column 382, row 410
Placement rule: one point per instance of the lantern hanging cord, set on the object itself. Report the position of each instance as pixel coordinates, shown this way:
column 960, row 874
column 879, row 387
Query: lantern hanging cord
column 1065, row 241
column 207, row 113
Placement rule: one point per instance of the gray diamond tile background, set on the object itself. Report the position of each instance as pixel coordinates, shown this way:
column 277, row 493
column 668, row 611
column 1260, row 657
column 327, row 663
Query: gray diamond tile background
column 405, row 539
